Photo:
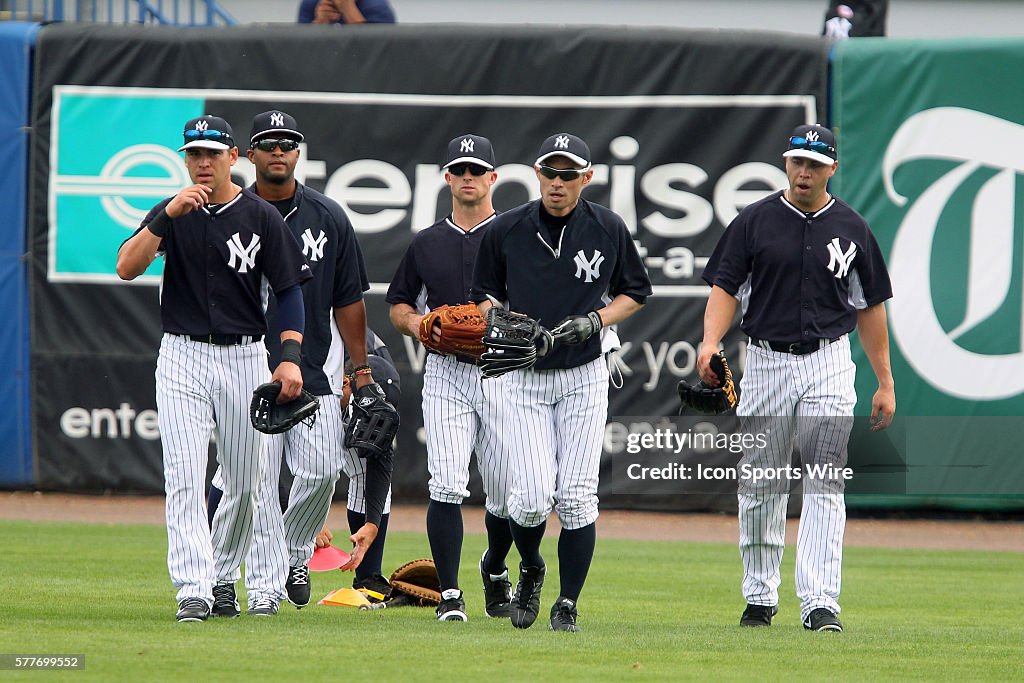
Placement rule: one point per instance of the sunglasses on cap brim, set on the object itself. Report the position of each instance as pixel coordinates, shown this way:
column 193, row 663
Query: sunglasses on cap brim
column 458, row 170
column 563, row 173
column 211, row 135
column 270, row 144
column 813, row 145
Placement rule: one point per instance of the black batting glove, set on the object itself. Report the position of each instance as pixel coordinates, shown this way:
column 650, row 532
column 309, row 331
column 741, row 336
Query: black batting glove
column 577, row 329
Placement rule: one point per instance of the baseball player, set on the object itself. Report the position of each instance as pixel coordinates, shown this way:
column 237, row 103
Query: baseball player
column 570, row 263
column 808, row 271
column 315, row 456
column 222, row 245
column 459, row 411
column 368, row 573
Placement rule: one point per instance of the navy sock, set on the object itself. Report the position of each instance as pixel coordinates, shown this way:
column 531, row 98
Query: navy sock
column 528, row 540
column 499, row 542
column 374, row 557
column 575, row 552
column 444, row 531
column 212, row 503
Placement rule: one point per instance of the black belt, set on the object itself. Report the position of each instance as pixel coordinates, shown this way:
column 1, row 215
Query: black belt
column 225, row 339
column 795, row 348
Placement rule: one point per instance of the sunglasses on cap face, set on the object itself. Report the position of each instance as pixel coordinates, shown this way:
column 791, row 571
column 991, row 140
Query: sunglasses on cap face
column 566, row 174
column 458, row 170
column 268, row 144
column 813, row 145
column 213, row 135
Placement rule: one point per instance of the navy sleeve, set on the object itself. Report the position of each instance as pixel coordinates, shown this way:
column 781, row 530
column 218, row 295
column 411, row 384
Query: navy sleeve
column 306, row 11
column 376, row 11
column 489, row 271
column 874, row 276
column 630, row 276
column 350, row 279
column 406, row 284
column 729, row 264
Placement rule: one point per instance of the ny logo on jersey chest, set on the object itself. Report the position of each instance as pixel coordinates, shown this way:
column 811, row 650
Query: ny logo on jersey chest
column 839, row 261
column 588, row 269
column 313, row 247
column 241, row 257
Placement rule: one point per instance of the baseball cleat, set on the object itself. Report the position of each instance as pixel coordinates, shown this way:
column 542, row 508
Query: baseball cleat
column 563, row 615
column 193, row 609
column 452, row 607
column 497, row 592
column 822, row 619
column 297, row 586
column 263, row 607
column 526, row 601
column 758, row 615
column 225, row 604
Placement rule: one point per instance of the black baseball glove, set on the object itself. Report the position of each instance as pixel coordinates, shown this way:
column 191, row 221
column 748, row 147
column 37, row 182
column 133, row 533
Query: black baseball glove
column 271, row 417
column 374, row 422
column 514, row 341
column 707, row 399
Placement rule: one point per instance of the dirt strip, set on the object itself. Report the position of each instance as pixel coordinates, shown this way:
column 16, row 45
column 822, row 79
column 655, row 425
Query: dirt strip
column 894, row 533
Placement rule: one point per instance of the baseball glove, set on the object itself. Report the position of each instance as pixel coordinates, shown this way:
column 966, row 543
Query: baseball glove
column 461, row 329
column 514, row 341
column 374, row 422
column 415, row 583
column 271, row 417
column 707, row 399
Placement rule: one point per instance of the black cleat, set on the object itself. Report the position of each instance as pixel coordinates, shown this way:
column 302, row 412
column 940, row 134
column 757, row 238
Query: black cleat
column 526, row 601
column 563, row 615
column 297, row 586
column 497, row 592
column 452, row 607
column 822, row 619
column 225, row 604
column 758, row 615
column 193, row 609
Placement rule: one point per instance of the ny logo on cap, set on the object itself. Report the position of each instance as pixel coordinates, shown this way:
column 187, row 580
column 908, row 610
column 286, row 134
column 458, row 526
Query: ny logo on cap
column 277, row 119
column 812, row 136
column 202, row 125
column 467, row 145
column 562, row 142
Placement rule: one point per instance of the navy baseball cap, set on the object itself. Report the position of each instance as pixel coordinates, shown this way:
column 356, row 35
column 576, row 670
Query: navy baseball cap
column 208, row 132
column 815, row 142
column 274, row 123
column 385, row 374
column 565, row 145
column 470, row 149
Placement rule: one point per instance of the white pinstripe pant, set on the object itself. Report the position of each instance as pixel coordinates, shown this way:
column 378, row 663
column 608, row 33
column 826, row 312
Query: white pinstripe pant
column 202, row 388
column 315, row 456
column 812, row 395
column 554, row 423
column 460, row 413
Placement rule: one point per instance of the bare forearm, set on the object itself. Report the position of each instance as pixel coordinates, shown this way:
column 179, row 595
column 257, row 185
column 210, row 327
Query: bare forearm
column 351, row 321
column 718, row 315
column 135, row 255
column 874, row 338
column 620, row 308
column 405, row 319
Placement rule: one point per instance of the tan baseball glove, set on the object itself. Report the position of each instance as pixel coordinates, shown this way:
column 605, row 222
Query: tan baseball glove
column 454, row 329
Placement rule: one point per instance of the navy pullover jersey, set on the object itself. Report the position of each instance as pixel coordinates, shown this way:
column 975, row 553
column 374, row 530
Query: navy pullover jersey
column 799, row 277
column 594, row 261
column 329, row 244
column 218, row 265
column 437, row 268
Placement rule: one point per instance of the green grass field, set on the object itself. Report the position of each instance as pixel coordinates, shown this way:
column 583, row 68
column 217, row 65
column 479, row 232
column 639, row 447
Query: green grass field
column 649, row 611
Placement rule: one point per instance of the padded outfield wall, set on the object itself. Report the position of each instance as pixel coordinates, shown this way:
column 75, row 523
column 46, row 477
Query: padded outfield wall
column 686, row 128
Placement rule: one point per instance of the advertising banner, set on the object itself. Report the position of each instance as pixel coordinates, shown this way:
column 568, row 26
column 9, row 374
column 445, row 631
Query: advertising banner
column 685, row 129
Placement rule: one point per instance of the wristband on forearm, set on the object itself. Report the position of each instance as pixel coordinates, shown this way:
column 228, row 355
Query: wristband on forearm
column 291, row 351
column 158, row 226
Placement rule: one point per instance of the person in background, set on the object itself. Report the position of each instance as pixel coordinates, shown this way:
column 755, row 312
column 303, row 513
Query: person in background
column 346, row 12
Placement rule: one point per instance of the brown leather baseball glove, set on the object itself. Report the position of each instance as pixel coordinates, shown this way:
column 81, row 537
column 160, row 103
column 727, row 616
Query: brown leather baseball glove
column 454, row 329
column 416, row 583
